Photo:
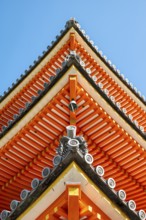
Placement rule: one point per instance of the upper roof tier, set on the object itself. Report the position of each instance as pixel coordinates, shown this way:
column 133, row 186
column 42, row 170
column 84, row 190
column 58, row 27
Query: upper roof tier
column 103, row 72
column 72, row 23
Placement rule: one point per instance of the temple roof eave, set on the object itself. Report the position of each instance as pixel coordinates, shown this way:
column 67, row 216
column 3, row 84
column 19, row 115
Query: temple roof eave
column 76, row 64
column 71, row 159
column 73, row 25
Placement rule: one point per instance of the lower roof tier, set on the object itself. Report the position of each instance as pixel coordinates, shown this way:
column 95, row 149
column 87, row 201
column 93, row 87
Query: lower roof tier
column 34, row 146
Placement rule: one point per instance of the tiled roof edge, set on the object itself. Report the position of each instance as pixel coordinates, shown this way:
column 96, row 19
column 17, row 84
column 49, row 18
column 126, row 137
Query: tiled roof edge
column 69, row 63
column 69, row 24
column 36, row 62
column 84, row 161
column 108, row 63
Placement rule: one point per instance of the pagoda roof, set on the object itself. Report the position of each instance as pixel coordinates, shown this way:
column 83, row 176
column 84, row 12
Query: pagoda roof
column 80, row 167
column 13, row 104
column 72, row 23
column 34, row 139
column 110, row 115
column 73, row 61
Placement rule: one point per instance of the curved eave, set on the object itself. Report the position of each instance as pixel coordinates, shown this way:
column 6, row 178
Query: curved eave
column 96, row 186
column 62, row 38
column 20, row 138
column 7, row 115
column 70, row 25
column 93, row 87
column 107, row 64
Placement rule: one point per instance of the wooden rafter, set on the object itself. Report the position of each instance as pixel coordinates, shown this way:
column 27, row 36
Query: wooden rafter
column 110, row 145
column 43, row 75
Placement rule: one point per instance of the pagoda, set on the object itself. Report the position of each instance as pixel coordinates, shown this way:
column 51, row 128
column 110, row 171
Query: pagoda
column 72, row 137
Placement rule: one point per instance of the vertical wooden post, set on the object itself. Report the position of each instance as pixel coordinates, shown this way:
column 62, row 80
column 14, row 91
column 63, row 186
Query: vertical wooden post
column 73, row 87
column 73, row 194
column 72, row 41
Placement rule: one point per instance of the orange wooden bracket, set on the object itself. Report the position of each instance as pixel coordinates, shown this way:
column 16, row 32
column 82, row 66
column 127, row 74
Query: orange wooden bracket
column 73, row 196
column 86, row 211
column 73, row 88
column 60, row 212
column 72, row 41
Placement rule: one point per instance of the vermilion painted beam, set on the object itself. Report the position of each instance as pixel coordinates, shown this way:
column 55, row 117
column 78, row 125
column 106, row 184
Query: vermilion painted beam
column 73, row 196
column 73, row 86
column 72, row 41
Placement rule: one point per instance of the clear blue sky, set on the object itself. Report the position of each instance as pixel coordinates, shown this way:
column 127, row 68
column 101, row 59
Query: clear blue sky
column 118, row 28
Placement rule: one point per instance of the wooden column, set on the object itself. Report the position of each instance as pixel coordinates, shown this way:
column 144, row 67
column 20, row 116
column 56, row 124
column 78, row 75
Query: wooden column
column 72, row 41
column 73, row 196
column 73, row 87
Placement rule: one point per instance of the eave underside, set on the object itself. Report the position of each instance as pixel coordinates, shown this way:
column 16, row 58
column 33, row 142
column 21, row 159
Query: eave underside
column 25, row 153
column 59, row 209
column 35, row 82
column 33, row 148
column 73, row 195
